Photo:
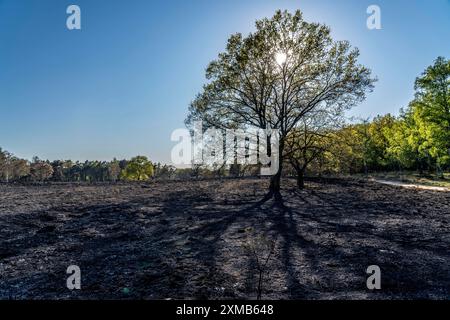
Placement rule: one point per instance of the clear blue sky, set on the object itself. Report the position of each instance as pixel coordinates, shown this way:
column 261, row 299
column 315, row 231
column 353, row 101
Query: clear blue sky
column 119, row 86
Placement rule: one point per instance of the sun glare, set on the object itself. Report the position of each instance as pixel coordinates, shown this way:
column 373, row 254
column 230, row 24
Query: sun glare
column 280, row 57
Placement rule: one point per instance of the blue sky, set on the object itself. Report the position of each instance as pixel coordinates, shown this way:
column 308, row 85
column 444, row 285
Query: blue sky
column 122, row 84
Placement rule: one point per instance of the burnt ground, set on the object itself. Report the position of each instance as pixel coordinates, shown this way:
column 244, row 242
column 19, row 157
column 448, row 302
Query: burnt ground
column 191, row 240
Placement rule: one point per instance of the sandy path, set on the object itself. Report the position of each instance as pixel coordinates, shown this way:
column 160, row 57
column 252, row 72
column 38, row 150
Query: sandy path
column 410, row 185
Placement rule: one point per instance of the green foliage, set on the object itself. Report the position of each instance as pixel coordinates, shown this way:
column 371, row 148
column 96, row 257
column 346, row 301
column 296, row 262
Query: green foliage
column 419, row 139
column 422, row 139
column 11, row 167
column 138, row 169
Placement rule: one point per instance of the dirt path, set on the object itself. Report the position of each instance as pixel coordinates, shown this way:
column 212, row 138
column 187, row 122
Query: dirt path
column 410, row 185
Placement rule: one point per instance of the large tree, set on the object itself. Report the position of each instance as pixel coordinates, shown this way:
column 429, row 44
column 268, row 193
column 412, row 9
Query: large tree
column 420, row 139
column 431, row 108
column 276, row 76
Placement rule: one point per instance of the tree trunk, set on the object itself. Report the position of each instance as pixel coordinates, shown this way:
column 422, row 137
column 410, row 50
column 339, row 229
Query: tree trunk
column 439, row 172
column 301, row 178
column 275, row 181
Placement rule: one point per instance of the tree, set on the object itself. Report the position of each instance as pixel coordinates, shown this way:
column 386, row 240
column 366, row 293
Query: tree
column 41, row 171
column 58, row 170
column 373, row 140
column 20, row 168
column 276, row 76
column 138, row 169
column 421, row 137
column 114, row 170
column 5, row 165
column 431, row 107
column 310, row 140
column 164, row 171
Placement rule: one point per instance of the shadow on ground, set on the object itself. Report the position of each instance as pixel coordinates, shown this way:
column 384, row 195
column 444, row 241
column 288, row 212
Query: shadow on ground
column 190, row 239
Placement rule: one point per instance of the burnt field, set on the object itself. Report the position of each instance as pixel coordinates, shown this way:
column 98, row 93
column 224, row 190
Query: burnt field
column 191, row 240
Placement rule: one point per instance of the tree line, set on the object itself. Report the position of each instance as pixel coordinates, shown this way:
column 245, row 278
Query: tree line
column 418, row 139
column 138, row 168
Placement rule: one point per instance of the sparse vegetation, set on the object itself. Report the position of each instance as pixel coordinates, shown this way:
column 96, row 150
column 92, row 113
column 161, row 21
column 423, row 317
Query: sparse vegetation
column 260, row 250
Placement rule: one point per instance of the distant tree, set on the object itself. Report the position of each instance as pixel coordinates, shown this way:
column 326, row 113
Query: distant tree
column 20, row 168
column 41, row 171
column 197, row 170
column 74, row 172
column 123, row 164
column 372, row 140
column 11, row 167
column 5, row 165
column 114, row 170
column 138, row 169
column 379, row 131
column 164, row 171
column 58, row 170
column 308, row 142
column 312, row 138
column 403, row 144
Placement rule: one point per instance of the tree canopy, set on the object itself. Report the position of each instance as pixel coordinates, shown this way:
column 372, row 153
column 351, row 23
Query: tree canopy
column 277, row 75
column 138, row 169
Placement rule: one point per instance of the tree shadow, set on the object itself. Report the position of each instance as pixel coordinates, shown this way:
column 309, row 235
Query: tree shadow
column 187, row 242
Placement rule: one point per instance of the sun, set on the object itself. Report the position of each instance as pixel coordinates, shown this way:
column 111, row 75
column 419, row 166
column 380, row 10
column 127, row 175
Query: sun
column 281, row 58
